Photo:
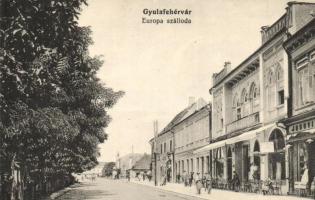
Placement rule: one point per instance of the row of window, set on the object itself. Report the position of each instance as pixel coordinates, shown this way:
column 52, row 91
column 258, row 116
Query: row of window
column 187, row 165
column 163, row 147
column 274, row 88
column 305, row 81
column 197, row 131
column 245, row 105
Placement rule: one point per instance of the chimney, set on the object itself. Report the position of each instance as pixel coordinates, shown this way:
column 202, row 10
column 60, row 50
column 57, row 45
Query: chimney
column 200, row 103
column 263, row 33
column 227, row 66
column 191, row 101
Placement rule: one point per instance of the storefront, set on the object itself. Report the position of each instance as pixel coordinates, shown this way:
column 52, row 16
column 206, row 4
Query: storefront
column 301, row 155
column 300, row 48
column 166, row 167
column 218, row 168
column 276, row 158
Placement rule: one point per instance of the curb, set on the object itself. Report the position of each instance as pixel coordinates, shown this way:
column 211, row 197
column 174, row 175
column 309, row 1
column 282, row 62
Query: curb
column 61, row 192
column 170, row 191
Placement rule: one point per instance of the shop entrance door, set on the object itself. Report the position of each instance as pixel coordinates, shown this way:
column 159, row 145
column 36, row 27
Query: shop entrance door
column 245, row 163
column 229, row 164
column 311, row 161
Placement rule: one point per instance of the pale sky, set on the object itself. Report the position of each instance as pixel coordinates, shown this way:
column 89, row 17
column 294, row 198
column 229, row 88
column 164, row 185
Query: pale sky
column 160, row 66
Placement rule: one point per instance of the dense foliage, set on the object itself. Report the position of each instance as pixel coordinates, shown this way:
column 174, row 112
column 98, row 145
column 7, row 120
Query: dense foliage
column 53, row 108
column 108, row 169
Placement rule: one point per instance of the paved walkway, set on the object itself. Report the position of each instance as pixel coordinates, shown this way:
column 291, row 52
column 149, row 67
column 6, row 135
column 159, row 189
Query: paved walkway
column 215, row 193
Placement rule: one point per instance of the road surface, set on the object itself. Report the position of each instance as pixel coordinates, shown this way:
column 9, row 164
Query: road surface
column 119, row 190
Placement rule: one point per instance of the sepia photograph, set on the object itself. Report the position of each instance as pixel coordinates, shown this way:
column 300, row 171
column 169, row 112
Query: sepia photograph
column 157, row 99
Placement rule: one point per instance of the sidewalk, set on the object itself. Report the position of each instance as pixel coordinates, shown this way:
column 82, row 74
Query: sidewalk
column 63, row 191
column 215, row 193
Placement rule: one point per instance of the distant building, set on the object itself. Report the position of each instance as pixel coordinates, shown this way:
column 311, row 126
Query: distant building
column 162, row 146
column 173, row 147
column 193, row 132
column 126, row 162
column 143, row 165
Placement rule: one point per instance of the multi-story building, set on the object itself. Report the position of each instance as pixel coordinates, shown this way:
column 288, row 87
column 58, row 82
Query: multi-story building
column 193, row 132
column 172, row 148
column 301, row 122
column 162, row 147
column 248, row 104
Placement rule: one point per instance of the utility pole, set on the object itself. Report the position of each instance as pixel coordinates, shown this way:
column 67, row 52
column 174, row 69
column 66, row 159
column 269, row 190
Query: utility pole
column 155, row 129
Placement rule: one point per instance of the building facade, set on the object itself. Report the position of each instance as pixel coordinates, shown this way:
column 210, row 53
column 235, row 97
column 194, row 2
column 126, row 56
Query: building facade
column 172, row 148
column 249, row 104
column 191, row 133
column 301, row 122
column 125, row 163
column 165, row 156
column 162, row 147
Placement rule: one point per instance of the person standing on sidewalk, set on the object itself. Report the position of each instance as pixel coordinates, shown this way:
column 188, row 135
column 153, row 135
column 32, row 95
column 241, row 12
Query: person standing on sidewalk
column 208, row 183
column 236, row 182
column 198, row 183
column 185, row 178
column 128, row 175
column 191, row 178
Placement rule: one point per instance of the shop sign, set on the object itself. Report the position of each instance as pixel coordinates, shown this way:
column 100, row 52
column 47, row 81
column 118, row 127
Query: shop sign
column 267, row 147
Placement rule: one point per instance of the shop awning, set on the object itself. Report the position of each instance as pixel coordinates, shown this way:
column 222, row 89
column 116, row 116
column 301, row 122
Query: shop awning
column 211, row 146
column 243, row 137
column 247, row 135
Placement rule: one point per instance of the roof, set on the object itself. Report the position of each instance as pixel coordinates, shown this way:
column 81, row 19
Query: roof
column 309, row 25
column 175, row 120
column 184, row 114
column 194, row 111
column 143, row 163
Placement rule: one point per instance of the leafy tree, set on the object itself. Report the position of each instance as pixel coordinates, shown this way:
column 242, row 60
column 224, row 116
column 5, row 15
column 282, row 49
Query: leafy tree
column 108, row 168
column 53, row 107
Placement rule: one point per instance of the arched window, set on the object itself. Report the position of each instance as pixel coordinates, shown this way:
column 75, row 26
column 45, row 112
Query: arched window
column 236, row 110
column 256, row 147
column 256, row 165
column 229, row 154
column 279, row 72
column 253, row 96
column 219, row 163
column 270, row 77
column 235, row 101
column 244, row 96
column 253, row 92
column 278, row 140
column 245, row 105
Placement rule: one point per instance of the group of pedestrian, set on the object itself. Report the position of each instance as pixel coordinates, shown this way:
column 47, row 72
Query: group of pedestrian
column 143, row 175
column 200, row 182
